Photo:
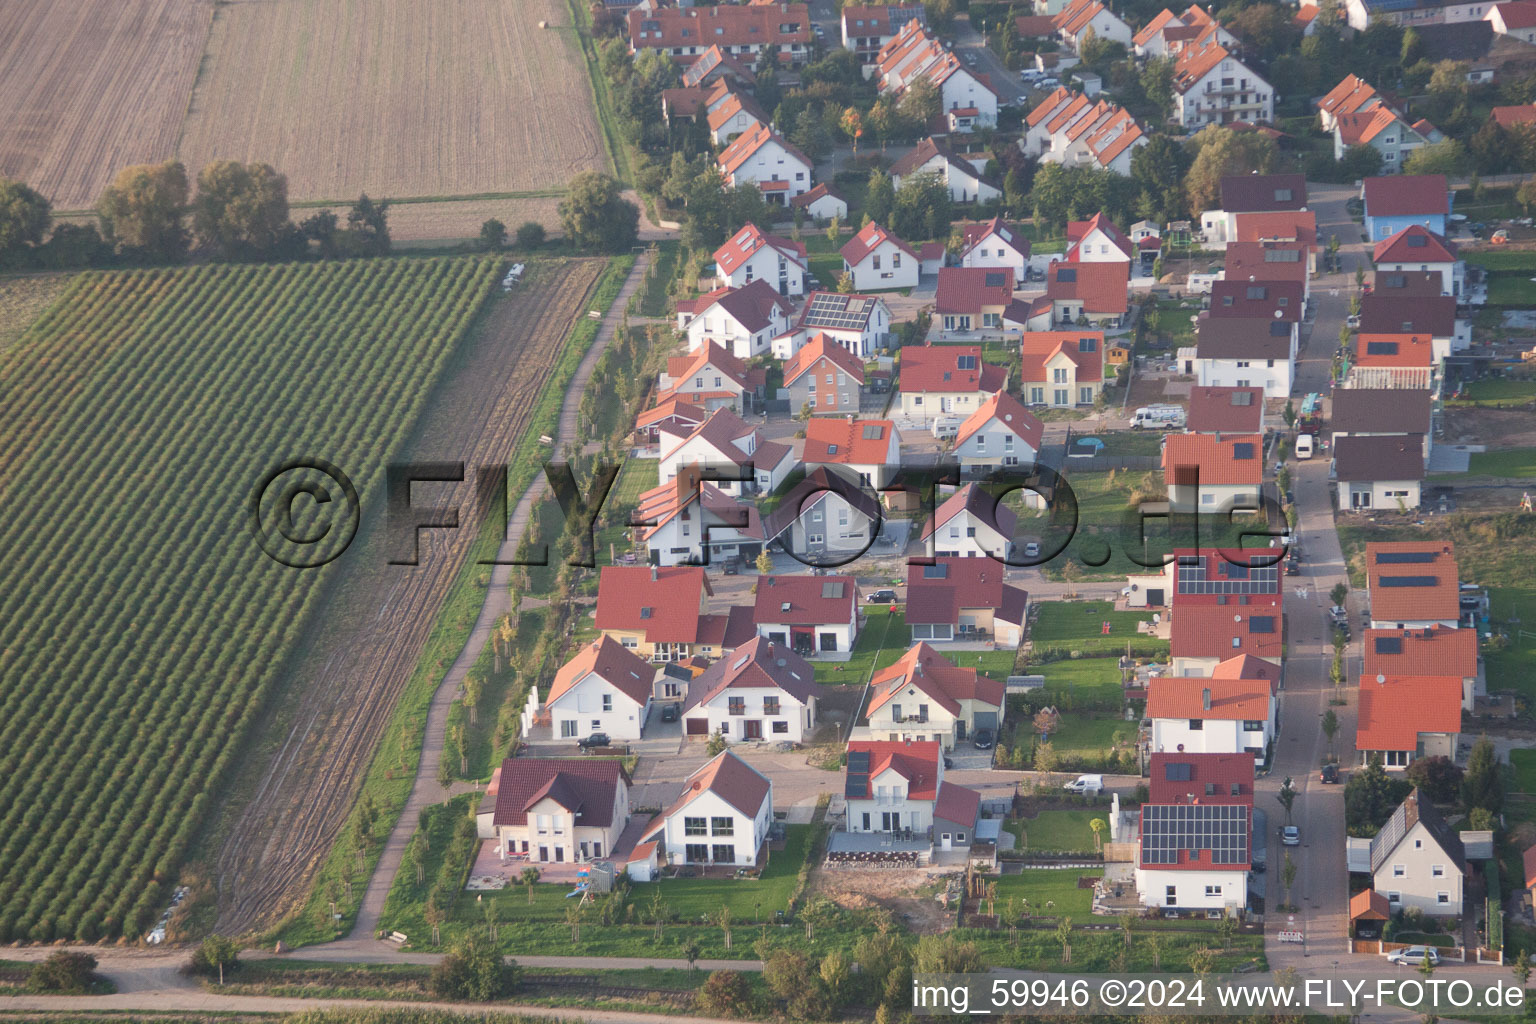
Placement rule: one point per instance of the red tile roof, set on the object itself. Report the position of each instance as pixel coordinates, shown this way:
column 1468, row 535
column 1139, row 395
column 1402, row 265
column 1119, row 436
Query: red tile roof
column 1437, row 599
column 1266, row 261
column 1031, row 26
column 806, row 600
column 1414, row 244
column 1401, row 350
column 752, row 305
column 672, row 408
column 835, row 440
column 726, row 25
column 1004, row 232
column 1077, row 230
column 1358, row 129
column 972, row 289
column 1348, row 96
column 917, row 761
column 818, row 348
column 1529, row 860
column 870, row 238
column 750, row 141
column 749, row 240
column 1037, row 348
column 731, row 779
column 659, row 505
column 932, row 369
column 1188, row 778
column 1195, row 852
column 981, row 505
column 936, row 593
column 1280, row 226
column 1370, row 905
column 587, row 787
column 715, row 59
column 757, row 664
column 1435, row 651
column 1508, row 117
column 1009, row 413
column 1260, row 300
column 1393, row 713
column 924, row 669
column 661, row 603
column 1209, row 631
column 1246, row 666
column 1517, row 14
column 1100, row 286
column 1216, row 457
column 1407, row 195
column 1154, row 27
column 1434, row 316
column 611, row 662
column 1231, row 699
column 958, row 804
column 808, row 198
column 1226, row 410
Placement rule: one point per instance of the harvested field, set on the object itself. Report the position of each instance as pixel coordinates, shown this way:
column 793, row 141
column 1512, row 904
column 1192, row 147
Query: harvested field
column 90, row 86
column 332, row 708
column 460, row 220
column 23, row 299
column 395, row 97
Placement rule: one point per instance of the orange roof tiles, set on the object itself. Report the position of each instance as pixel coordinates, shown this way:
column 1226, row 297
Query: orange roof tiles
column 818, row 348
column 835, row 440
column 1393, row 713
column 1008, row 412
column 1231, row 699
column 1227, row 631
column 924, row 669
column 610, row 661
column 1436, row 594
column 1435, row 651
column 1217, row 456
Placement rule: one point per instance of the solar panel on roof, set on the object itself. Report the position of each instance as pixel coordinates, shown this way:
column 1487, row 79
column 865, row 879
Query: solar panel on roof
column 1381, row 348
column 1193, row 579
column 1417, row 241
column 1409, row 581
column 858, row 761
column 1389, row 645
column 994, row 280
column 828, row 309
column 1282, row 255
column 1067, row 274
column 873, row 432
column 1261, row 624
column 1242, row 398
column 1404, row 557
column 1278, row 328
column 832, row 589
column 1169, row 830
column 1178, row 771
column 1242, row 450
column 936, row 572
column 1257, row 291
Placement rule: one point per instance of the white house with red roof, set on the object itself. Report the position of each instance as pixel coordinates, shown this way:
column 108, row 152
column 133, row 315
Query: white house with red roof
column 878, row 261
column 824, row 377
column 964, row 600
column 1516, row 18
column 865, row 29
column 964, row 179
column 1435, row 651
column 1080, row 17
column 1413, row 584
column 825, row 518
column 1095, row 292
column 822, row 204
column 1061, row 369
column 1194, row 857
column 1225, row 410
column 946, row 380
column 1213, row 473
column 1403, row 718
column 1097, row 240
column 966, row 97
column 1416, row 247
column 762, row 157
column 924, row 697
column 684, row 33
column 662, row 614
column 996, row 245
column 558, row 810
column 688, row 519
column 1211, row 86
column 752, row 254
column 677, row 416
column 709, row 378
column 1000, row 433
column 735, row 115
column 741, row 320
column 811, row 615
column 869, row 450
column 1069, row 128
column 1168, row 33
column 972, row 299
column 762, row 692
column 1211, row 715
column 859, row 323
column 1204, row 637
column 1190, row 778
column 722, row 816
column 604, row 688
column 727, row 443
column 899, row 787
column 971, row 523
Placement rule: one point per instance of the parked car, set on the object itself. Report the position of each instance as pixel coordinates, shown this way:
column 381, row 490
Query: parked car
column 1085, row 785
column 1290, row 835
column 982, row 739
column 1047, row 83
column 1032, row 550
column 596, row 741
column 1414, row 956
column 669, row 712
column 1352, row 321
column 1329, row 774
column 732, row 567
column 882, row 597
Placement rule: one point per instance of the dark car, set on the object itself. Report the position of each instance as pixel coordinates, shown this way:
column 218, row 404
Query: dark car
column 594, row 742
column 732, row 566
column 1329, row 774
column 669, row 712
column 882, row 597
column 982, row 739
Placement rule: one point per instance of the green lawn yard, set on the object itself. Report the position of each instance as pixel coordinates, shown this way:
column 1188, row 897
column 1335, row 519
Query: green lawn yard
column 1087, row 736
column 1509, row 462
column 1055, row 832
column 883, row 632
column 1524, row 762
column 1034, row 888
column 1083, row 680
column 692, row 898
column 1079, row 626
column 1496, row 392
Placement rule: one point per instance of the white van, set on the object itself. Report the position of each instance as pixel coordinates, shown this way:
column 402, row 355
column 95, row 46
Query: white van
column 1158, row 417
column 1304, row 446
column 946, row 427
column 1085, row 785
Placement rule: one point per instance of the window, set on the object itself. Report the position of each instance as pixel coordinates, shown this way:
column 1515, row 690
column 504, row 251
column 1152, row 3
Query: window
column 722, row 827
column 568, row 728
column 876, row 263
column 895, row 260
column 959, row 837
column 781, row 726
column 695, row 853
column 695, row 827
column 1196, row 725
column 736, row 705
column 1443, row 898
column 1398, row 871
column 1037, row 396
column 1171, row 896
column 1059, row 375
column 1213, row 890
column 770, row 706
column 1253, row 726
column 607, row 702
column 1438, row 871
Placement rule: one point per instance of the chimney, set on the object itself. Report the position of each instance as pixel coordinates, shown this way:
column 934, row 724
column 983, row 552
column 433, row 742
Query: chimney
column 653, row 574
column 1205, row 698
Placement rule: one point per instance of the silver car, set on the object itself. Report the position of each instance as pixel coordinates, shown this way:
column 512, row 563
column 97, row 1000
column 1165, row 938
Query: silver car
column 1414, row 956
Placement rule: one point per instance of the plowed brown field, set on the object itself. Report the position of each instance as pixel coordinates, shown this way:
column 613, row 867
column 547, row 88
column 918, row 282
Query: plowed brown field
column 396, row 97
column 90, row 86
column 331, row 712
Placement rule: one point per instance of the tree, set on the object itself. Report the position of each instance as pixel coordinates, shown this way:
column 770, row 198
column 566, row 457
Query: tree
column 883, row 121
column 143, row 209
column 595, row 214
column 434, row 916
column 1288, row 876
column 764, row 562
column 573, row 918
column 714, row 745
column 65, row 971
column 1220, row 152
column 1098, row 827
column 1046, row 721
column 789, row 976
column 1448, row 157
column 1339, row 592
column 1483, row 784
column 1330, row 725
column 724, row 994
column 1155, row 950
column 493, row 235
column 921, row 103
column 1362, row 161
column 835, row 972
column 853, row 126
column 1369, row 799
column 489, row 908
column 367, row 230
column 530, row 234
column 880, row 199
column 1522, row 969
column 945, row 954
column 529, row 878
column 691, row 952
column 1064, row 936
column 1045, row 757
column 1287, row 797
column 1226, row 928
column 215, row 955
column 1201, row 961
column 1481, row 819
column 834, row 228
column 1437, row 777
column 723, row 919
column 321, row 228
column 24, row 217
column 418, row 861
column 1158, row 169
column 240, row 209
column 473, row 969
column 810, row 134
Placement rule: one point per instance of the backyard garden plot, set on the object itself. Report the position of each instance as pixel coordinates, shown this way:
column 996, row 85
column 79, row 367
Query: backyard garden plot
column 1055, row 832
column 1080, row 626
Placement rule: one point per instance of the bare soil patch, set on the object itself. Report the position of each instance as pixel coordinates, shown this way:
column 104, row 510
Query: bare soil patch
column 90, row 86
column 1500, row 428
column 890, row 889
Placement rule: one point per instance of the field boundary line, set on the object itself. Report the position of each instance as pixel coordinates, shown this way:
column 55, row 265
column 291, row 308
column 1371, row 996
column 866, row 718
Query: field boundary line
column 597, row 85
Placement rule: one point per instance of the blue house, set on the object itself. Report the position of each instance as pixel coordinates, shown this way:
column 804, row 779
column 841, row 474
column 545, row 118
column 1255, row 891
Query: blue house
column 1403, row 200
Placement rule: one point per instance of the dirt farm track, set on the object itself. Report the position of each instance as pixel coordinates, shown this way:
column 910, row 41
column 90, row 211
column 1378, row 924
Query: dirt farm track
column 392, row 97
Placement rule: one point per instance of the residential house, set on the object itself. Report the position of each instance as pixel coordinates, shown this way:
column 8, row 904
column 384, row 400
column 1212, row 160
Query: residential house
column 710, row 378
column 1377, row 412
column 1061, row 369
column 869, row 451
column 1436, row 651
column 1420, row 14
column 964, row 180
column 1418, row 860
column 964, row 600
column 1402, row 718
column 683, row 33
column 1272, row 299
column 810, row 614
column 967, row 100
column 1432, row 317
column 1245, row 352
column 1516, row 18
column 1380, row 473
column 1353, row 95
column 1385, row 130
column 717, row 64
column 690, row 521
column 1417, row 248
column 1407, row 284
column 970, row 299
column 1289, row 262
column 1212, row 86
column 762, row 157
column 1097, row 240
column 866, row 29
column 825, row 520
column 1247, row 194
column 1212, row 716
column 1193, row 577
column 1075, row 294
column 1412, row 585
column 735, row 116
column 1079, row 17
column 722, row 816
column 1512, row 118
column 605, row 688
column 1281, row 227
column 877, row 260
column 1226, row 410
column 1167, row 33
column 752, row 254
column 821, row 204
column 764, row 691
column 554, row 810
column 1403, row 200
column 1194, row 857
column 999, row 434
column 900, row 787
column 861, row 324
column 661, row 614
column 1213, row 473
column 971, row 523
column 824, row 377
column 743, row 462
column 946, row 380
column 925, row 697
column 1205, row 635
column 741, row 320
column 995, row 245
column 1070, row 129
column 1189, row 778
column 676, row 416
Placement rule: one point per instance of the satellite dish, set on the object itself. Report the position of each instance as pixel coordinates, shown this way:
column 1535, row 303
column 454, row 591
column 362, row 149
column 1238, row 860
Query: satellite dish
column 1278, row 314
column 1237, row 618
column 1380, row 678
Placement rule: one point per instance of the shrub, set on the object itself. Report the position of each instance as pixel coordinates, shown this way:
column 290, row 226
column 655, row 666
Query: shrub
column 64, row 971
column 474, row 970
column 725, row 994
column 530, row 234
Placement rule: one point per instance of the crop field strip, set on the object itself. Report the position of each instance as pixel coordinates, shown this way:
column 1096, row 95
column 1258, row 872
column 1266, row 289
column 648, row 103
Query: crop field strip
column 141, row 624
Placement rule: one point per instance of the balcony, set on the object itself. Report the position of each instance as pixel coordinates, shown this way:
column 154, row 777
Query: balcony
column 736, row 710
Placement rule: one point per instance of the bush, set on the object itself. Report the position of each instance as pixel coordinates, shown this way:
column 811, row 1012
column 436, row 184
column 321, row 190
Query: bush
column 530, row 234
column 64, row 971
column 473, row 970
column 725, row 994
column 216, row 955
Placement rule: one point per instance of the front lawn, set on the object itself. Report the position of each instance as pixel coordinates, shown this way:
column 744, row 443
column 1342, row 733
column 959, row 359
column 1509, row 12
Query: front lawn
column 1055, row 832
column 883, row 632
column 1086, row 739
column 1513, row 289
column 1046, row 892
column 1079, row 626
